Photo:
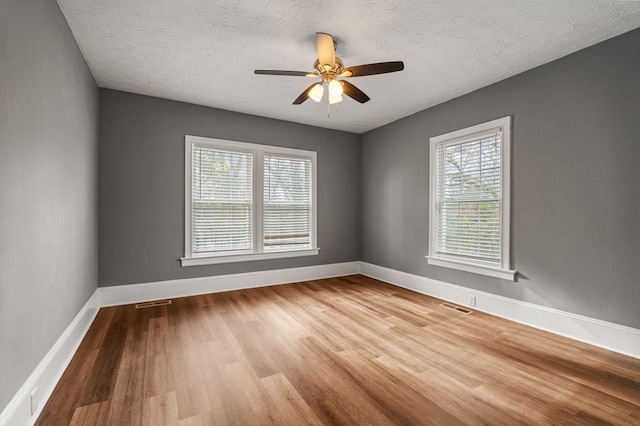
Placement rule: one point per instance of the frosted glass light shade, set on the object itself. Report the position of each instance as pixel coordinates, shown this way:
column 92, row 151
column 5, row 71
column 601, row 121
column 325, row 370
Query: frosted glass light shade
column 317, row 92
column 334, row 99
column 335, row 88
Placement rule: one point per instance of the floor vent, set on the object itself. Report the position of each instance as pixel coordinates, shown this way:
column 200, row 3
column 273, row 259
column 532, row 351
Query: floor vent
column 456, row 308
column 152, row 304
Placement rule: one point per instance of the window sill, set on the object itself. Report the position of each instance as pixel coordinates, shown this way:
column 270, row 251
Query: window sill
column 230, row 258
column 489, row 271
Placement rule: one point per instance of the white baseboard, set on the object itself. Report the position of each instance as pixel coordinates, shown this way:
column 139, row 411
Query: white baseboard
column 50, row 369
column 135, row 293
column 607, row 335
column 614, row 337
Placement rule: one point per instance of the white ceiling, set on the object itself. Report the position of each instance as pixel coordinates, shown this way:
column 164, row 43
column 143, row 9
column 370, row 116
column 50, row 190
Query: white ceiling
column 204, row 51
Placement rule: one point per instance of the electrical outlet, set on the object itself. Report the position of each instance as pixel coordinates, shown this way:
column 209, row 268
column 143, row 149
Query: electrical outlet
column 472, row 301
column 34, row 400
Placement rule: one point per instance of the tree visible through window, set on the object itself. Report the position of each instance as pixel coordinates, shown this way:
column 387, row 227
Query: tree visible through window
column 469, row 200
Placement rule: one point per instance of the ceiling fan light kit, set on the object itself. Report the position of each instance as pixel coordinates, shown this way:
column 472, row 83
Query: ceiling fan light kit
column 328, row 67
column 335, row 88
column 334, row 99
column 316, row 92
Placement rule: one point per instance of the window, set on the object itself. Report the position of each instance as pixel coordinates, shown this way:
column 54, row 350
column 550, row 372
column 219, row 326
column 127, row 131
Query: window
column 469, row 199
column 245, row 201
column 287, row 202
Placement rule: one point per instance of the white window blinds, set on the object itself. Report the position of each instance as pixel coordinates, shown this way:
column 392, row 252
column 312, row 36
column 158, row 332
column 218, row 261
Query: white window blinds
column 247, row 201
column 221, row 214
column 469, row 198
column 287, row 202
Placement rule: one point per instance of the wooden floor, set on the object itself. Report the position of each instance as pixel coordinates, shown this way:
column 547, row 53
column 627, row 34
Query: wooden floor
column 348, row 350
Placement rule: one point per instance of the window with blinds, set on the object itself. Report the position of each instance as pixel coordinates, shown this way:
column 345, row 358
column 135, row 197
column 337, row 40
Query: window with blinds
column 469, row 200
column 287, row 202
column 247, row 201
column 221, row 212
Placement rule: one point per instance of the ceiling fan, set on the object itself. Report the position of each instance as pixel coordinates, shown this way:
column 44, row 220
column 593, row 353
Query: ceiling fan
column 328, row 67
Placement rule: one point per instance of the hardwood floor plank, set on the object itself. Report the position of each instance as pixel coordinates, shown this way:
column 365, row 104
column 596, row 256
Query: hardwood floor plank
column 94, row 414
column 160, row 410
column 289, row 407
column 159, row 376
column 445, row 392
column 127, row 395
column 191, row 391
column 325, row 388
column 249, row 336
column 246, row 390
column 107, row 361
column 393, row 402
column 216, row 387
column 340, row 351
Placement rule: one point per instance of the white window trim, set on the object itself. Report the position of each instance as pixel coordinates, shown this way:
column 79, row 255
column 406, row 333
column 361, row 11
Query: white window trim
column 503, row 271
column 258, row 152
column 229, row 258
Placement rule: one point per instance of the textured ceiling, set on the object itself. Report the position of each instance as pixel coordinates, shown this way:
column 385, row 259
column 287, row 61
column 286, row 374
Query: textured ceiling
column 205, row 51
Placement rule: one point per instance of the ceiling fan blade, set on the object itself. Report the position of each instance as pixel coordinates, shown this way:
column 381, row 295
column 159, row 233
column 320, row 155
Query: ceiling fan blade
column 304, row 95
column 326, row 50
column 353, row 92
column 372, row 69
column 288, row 73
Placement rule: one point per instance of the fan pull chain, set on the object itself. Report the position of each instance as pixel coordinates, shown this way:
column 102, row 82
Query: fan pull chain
column 329, row 108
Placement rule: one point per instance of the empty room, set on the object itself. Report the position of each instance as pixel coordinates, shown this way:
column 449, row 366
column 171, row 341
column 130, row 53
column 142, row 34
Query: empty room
column 254, row 212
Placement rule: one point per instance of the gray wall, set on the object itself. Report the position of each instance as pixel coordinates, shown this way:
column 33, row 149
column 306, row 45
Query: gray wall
column 142, row 185
column 575, row 183
column 48, row 182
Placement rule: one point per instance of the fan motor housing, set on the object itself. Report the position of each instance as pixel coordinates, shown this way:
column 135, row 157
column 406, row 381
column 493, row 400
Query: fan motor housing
column 328, row 73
